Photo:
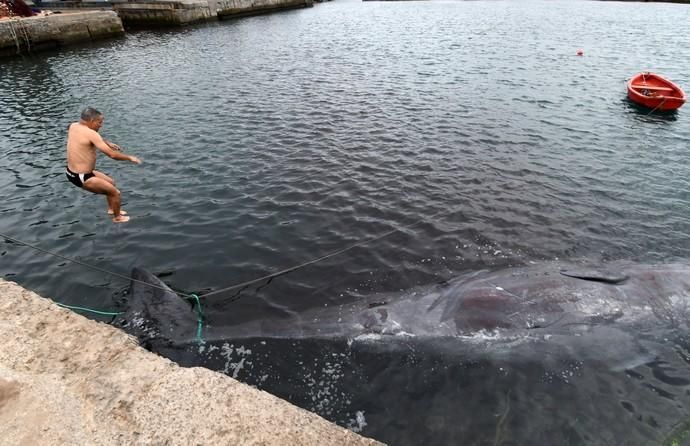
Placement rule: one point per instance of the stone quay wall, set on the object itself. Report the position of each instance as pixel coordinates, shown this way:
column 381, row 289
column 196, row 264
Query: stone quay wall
column 24, row 35
column 146, row 13
column 90, row 21
column 68, row 380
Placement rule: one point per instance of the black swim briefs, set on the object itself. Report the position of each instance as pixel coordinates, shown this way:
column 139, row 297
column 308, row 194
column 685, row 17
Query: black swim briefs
column 78, row 179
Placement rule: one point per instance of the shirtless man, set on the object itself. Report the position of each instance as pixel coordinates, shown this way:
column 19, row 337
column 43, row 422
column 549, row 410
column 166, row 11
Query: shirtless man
column 82, row 141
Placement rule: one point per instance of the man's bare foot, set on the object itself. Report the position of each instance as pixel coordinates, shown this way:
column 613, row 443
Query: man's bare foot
column 122, row 212
column 120, row 218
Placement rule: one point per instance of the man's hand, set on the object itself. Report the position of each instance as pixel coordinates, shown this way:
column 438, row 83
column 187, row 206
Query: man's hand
column 134, row 159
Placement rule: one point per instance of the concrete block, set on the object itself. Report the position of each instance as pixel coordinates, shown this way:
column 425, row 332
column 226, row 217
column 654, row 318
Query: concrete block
column 21, row 36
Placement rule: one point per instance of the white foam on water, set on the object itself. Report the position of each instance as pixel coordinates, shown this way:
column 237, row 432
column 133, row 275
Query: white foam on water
column 365, row 337
column 483, row 335
column 323, row 384
column 357, row 424
column 227, row 351
column 141, row 323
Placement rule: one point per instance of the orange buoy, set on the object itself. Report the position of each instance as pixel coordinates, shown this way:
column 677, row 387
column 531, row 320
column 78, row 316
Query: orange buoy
column 580, row 53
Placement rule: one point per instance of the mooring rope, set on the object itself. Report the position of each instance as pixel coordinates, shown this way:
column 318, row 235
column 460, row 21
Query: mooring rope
column 200, row 314
column 18, row 28
column 324, row 257
column 90, row 310
column 13, row 33
column 199, row 319
column 196, row 298
column 239, row 285
column 655, row 108
column 296, row 267
column 95, row 268
column 25, row 31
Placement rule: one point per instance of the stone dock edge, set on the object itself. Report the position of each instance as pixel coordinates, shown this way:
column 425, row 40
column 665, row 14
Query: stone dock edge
column 30, row 34
column 69, row 380
column 74, row 22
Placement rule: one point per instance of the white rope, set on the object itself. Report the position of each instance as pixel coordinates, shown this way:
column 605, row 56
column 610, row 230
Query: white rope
column 13, row 32
column 18, row 28
column 25, row 31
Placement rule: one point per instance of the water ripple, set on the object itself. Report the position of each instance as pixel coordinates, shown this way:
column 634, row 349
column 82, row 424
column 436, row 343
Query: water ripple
column 273, row 140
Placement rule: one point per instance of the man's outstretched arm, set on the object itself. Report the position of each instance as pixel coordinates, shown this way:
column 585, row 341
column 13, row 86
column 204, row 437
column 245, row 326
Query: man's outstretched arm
column 112, row 152
column 112, row 145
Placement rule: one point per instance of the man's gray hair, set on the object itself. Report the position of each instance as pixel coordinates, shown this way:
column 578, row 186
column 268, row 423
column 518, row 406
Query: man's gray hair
column 90, row 114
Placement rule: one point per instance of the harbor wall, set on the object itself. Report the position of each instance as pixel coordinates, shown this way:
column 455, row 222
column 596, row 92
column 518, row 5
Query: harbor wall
column 147, row 13
column 68, row 380
column 87, row 21
column 25, row 35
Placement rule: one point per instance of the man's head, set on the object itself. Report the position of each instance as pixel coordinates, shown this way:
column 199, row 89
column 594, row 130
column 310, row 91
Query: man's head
column 92, row 118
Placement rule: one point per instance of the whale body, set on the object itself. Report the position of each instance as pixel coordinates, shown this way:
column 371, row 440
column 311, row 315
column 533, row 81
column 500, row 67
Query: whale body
column 543, row 299
column 550, row 353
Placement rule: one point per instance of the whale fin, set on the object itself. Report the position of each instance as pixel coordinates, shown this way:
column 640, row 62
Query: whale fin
column 596, row 275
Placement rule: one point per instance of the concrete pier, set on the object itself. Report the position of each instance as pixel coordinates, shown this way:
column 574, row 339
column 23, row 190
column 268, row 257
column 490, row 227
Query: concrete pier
column 67, row 380
column 145, row 13
column 75, row 23
column 24, row 35
column 228, row 8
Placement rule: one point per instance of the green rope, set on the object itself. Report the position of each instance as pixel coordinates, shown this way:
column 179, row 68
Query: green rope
column 200, row 318
column 89, row 310
column 200, row 314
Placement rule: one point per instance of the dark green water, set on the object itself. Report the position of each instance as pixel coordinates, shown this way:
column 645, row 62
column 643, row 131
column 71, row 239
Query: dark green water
column 273, row 140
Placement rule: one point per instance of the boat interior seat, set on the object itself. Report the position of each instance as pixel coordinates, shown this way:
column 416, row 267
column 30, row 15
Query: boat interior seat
column 650, row 87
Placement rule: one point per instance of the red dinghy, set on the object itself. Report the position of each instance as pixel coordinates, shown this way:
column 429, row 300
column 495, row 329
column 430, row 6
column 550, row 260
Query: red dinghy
column 655, row 91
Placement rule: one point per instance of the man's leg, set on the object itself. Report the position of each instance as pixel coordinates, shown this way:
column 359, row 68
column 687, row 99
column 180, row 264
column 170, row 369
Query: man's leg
column 100, row 186
column 103, row 176
column 111, row 181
